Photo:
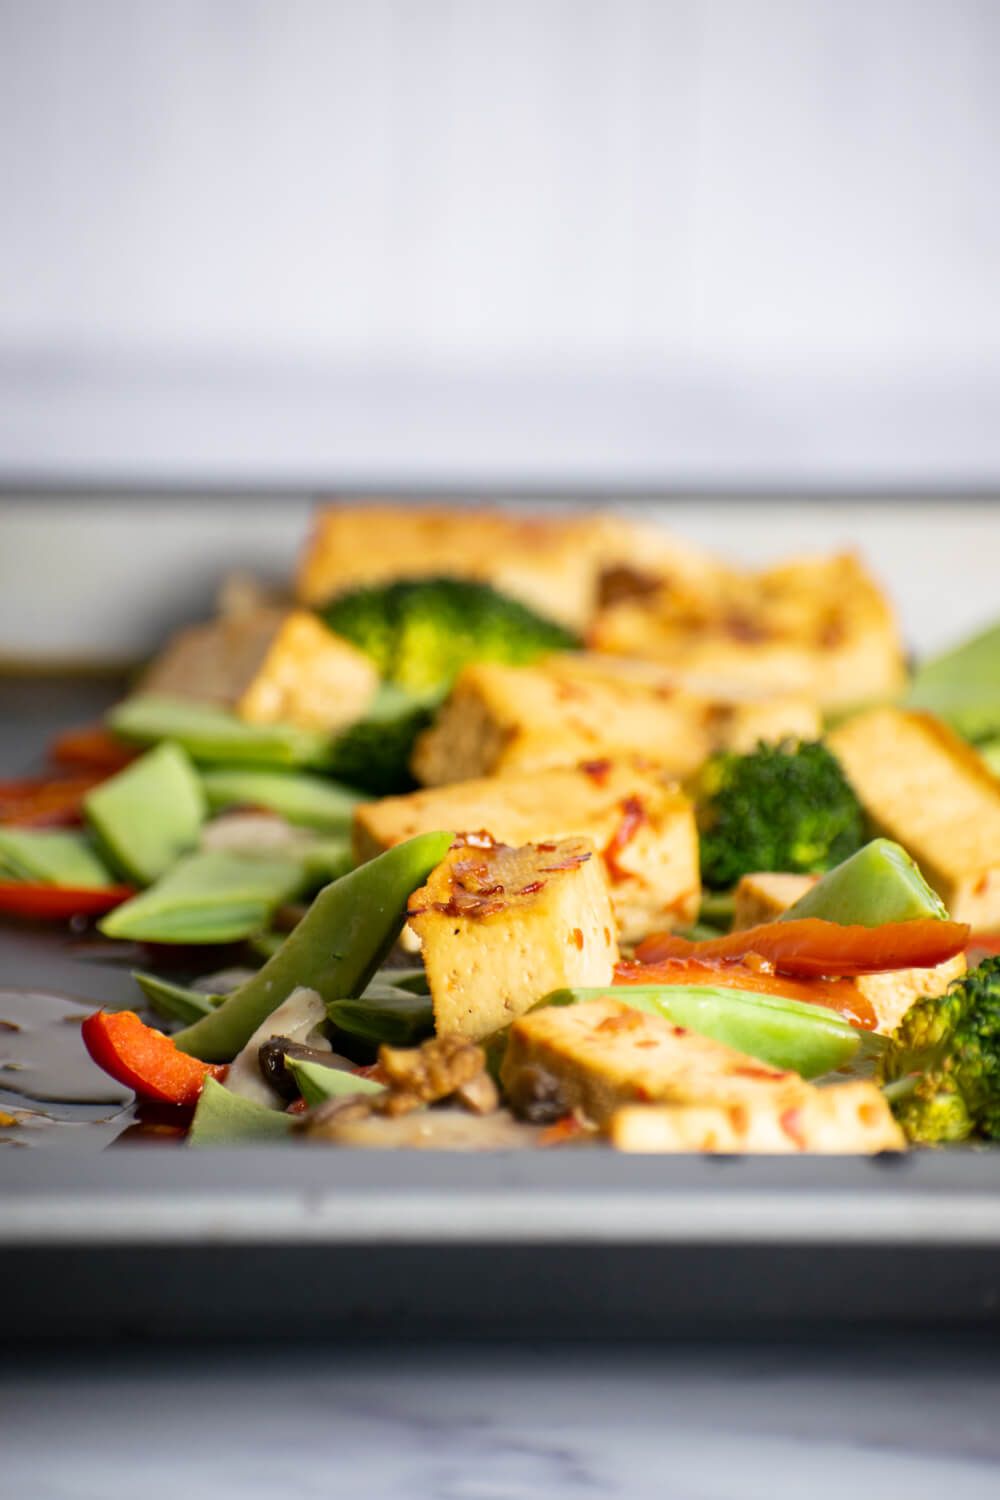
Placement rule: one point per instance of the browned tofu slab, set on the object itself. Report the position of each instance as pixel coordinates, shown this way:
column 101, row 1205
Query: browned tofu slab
column 814, row 625
column 927, row 789
column 553, row 563
column 502, row 927
column 500, row 720
column 641, row 822
column 841, row 1119
column 269, row 666
column 601, row 1054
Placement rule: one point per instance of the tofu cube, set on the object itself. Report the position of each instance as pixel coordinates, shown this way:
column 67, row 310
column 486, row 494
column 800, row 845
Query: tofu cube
column 845, row 1119
column 601, row 1054
column 765, row 895
column 269, row 666
column 927, row 789
column 816, row 625
column 641, row 822
column 553, row 563
column 501, row 720
column 502, row 927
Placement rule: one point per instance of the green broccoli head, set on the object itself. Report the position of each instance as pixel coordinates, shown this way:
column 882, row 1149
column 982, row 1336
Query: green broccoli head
column 782, row 807
column 421, row 632
column 942, row 1066
column 374, row 753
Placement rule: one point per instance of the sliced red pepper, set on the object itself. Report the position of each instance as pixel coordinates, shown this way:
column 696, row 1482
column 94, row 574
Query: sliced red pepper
column 57, row 903
column 144, row 1059
column 811, row 947
column 39, row 801
column 732, row 973
column 93, row 746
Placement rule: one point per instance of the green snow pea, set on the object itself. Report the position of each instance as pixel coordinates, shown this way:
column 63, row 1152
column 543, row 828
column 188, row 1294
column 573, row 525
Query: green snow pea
column 878, row 884
column 50, row 857
column 963, row 686
column 175, row 1002
column 317, row 1083
column 335, row 949
column 384, row 1014
column 210, row 897
column 211, row 735
column 149, row 814
column 310, row 801
column 225, row 1119
column 792, row 1034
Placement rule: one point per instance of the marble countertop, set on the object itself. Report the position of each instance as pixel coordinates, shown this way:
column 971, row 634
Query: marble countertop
column 907, row 1417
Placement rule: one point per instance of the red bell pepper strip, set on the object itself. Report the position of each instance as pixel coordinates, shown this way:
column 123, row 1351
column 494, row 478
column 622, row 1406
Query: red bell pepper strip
column 144, row 1059
column 732, row 973
column 39, row 801
column 810, row 947
column 57, row 903
column 92, row 746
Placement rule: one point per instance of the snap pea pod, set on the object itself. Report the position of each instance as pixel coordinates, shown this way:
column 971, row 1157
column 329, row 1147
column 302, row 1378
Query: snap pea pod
column 45, row 856
column 878, row 884
column 335, row 949
column 384, row 1014
column 175, row 1002
column 806, row 1039
column 211, row 735
column 225, row 1119
column 963, row 686
column 149, row 814
column 211, row 897
column 310, row 801
column 317, row 1083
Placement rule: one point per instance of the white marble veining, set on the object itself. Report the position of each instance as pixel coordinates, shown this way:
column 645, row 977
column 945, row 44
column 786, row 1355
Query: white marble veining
column 896, row 1419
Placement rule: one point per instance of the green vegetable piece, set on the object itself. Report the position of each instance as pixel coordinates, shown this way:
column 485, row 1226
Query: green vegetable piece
column 782, row 807
column 963, row 686
column 415, row 980
column 942, row 1066
column 878, row 884
column 148, row 815
column 317, row 1083
column 310, row 801
column 335, row 949
column 175, row 1002
column 210, row 734
column 807, row 1039
column 225, row 1119
column 991, row 755
column 384, row 1014
column 211, row 897
column 420, row 633
column 49, row 857
column 374, row 753
column 327, row 859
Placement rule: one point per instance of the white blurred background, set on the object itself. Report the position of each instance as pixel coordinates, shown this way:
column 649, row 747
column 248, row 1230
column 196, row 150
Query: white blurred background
column 702, row 244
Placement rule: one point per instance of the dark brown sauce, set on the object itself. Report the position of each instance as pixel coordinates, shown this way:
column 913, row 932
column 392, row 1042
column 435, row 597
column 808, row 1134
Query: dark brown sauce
column 55, row 1094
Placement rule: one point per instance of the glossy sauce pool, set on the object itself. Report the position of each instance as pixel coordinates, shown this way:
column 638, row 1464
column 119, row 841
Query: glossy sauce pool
column 48, row 1083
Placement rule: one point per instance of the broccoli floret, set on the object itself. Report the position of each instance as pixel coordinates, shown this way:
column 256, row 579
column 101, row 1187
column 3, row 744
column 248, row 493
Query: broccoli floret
column 421, row 632
column 942, row 1066
column 374, row 753
column 782, row 807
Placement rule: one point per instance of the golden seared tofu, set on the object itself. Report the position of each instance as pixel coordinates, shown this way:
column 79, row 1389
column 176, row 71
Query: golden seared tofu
column 502, row 719
column 601, row 1054
column 765, row 897
column 844, row 1119
column 924, row 787
column 270, row 666
column 501, row 927
column 555, row 564
column 814, row 625
column 641, row 822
